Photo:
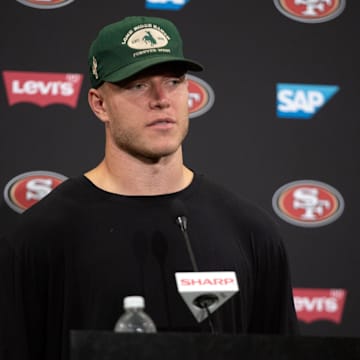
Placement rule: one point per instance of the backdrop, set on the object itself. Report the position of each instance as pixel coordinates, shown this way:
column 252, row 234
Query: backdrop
column 274, row 117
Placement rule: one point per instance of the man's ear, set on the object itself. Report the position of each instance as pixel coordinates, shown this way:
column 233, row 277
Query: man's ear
column 96, row 103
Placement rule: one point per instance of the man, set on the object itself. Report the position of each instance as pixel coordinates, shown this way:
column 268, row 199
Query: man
column 112, row 231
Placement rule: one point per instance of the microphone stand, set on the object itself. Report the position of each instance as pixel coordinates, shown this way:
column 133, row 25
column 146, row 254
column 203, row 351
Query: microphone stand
column 182, row 222
column 203, row 301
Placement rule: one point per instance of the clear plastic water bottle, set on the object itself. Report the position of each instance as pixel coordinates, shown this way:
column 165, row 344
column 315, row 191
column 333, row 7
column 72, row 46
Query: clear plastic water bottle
column 134, row 319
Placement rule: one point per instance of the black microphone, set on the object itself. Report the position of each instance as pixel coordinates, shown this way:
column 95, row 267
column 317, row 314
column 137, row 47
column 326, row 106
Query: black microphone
column 179, row 209
column 203, row 301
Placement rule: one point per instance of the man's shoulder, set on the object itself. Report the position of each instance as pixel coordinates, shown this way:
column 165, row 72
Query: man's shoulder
column 53, row 215
column 62, row 203
column 70, row 191
column 226, row 196
column 237, row 206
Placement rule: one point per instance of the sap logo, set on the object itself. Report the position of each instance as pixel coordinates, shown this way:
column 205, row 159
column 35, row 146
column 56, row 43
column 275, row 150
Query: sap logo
column 301, row 101
column 165, row 4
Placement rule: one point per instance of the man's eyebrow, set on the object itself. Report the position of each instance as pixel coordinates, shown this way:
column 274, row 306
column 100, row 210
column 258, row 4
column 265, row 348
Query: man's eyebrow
column 144, row 76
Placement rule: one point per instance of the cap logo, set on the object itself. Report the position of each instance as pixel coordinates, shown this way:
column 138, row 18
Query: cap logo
column 94, row 68
column 146, row 36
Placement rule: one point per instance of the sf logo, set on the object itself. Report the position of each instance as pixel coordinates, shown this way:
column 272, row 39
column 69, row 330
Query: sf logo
column 308, row 199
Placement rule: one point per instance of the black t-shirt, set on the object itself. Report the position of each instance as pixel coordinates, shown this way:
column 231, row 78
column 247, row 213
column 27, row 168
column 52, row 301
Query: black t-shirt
column 81, row 250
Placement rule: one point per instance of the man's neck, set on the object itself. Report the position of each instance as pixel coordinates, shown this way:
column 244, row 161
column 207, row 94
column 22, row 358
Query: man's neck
column 126, row 175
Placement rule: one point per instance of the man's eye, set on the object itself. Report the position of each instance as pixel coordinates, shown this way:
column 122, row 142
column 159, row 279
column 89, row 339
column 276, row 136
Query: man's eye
column 176, row 81
column 137, row 86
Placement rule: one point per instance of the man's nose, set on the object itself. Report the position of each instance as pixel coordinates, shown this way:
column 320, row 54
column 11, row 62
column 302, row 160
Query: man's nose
column 159, row 96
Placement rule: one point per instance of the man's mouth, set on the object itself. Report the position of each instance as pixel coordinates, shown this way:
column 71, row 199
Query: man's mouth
column 162, row 122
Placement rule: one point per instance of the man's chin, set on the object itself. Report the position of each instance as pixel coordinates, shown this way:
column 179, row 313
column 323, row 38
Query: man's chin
column 154, row 156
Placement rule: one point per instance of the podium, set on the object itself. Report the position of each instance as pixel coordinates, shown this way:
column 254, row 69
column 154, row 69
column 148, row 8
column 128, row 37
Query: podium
column 106, row 345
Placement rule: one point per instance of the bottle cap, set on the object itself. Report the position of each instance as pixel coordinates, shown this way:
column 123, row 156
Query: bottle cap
column 134, row 302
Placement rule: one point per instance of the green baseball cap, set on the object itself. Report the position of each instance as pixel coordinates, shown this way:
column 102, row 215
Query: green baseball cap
column 133, row 44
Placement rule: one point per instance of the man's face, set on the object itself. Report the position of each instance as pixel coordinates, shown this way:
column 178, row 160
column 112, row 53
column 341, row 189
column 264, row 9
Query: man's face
column 148, row 114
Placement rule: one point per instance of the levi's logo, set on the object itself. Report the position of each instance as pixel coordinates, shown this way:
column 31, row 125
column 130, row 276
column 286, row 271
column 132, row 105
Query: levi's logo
column 319, row 304
column 43, row 88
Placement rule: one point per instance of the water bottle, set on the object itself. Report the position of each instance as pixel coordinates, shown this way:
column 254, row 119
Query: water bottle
column 134, row 319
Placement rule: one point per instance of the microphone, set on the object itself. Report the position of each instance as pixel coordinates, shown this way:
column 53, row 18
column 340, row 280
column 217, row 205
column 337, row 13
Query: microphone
column 203, row 292
column 181, row 220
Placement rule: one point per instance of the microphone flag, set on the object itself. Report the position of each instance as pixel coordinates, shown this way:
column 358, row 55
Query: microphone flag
column 204, row 292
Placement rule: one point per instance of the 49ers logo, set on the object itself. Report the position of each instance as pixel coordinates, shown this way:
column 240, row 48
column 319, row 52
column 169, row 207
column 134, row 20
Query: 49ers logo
column 26, row 189
column 201, row 96
column 308, row 203
column 310, row 11
column 42, row 89
column 45, row 4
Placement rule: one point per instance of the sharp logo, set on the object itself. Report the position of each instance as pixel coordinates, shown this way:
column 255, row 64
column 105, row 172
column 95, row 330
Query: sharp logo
column 301, row 101
column 308, row 203
column 165, row 4
column 310, row 11
column 24, row 190
column 42, row 89
column 207, row 281
column 201, row 96
column 45, row 4
column 319, row 304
